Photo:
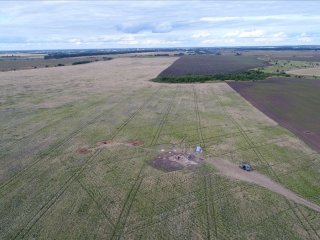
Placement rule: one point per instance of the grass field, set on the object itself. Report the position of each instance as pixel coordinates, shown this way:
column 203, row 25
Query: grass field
column 314, row 71
column 288, row 55
column 281, row 66
column 58, row 181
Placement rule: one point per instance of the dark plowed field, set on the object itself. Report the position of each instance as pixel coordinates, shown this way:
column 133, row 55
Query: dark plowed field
column 211, row 65
column 292, row 102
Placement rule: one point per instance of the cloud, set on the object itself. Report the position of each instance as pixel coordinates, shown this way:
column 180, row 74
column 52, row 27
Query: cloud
column 218, row 19
column 128, row 40
column 111, row 24
column 304, row 38
column 12, row 39
column 201, row 34
column 163, row 27
column 259, row 18
column 218, row 41
column 245, row 34
column 251, row 34
column 133, row 27
column 76, row 41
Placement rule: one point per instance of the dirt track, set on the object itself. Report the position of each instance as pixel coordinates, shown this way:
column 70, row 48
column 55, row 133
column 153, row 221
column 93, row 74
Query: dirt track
column 233, row 171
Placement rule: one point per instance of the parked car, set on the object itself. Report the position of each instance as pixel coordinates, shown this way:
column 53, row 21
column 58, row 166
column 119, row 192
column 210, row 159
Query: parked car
column 245, row 166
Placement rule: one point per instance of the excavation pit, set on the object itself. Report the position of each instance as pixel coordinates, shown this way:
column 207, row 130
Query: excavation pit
column 173, row 161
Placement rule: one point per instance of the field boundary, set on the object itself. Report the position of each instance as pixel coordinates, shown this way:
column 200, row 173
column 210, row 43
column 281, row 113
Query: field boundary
column 262, row 159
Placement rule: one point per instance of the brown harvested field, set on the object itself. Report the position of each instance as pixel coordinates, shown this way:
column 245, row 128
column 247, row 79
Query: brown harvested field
column 211, row 65
column 306, row 71
column 21, row 55
column 292, row 102
column 13, row 64
column 290, row 55
column 22, row 61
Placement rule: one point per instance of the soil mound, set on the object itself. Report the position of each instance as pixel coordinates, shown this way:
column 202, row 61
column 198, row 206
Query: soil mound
column 173, row 161
column 136, row 143
column 104, row 142
column 83, row 150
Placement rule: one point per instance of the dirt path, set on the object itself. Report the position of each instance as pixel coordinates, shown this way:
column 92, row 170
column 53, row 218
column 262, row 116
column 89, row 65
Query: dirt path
column 233, row 171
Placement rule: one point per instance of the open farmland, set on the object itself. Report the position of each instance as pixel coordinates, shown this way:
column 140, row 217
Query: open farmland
column 288, row 55
column 315, row 71
column 19, row 63
column 292, row 102
column 211, row 65
column 78, row 143
column 14, row 62
column 287, row 66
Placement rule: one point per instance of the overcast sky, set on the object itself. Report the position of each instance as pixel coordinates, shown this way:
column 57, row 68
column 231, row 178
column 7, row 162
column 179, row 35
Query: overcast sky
column 110, row 24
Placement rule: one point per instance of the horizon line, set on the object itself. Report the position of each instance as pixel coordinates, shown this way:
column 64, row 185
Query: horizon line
column 146, row 48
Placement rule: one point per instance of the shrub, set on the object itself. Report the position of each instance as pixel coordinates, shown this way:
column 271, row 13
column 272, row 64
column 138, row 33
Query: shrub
column 81, row 62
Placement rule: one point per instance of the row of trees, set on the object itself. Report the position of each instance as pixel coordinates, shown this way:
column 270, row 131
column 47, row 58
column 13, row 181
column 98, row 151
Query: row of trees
column 250, row 75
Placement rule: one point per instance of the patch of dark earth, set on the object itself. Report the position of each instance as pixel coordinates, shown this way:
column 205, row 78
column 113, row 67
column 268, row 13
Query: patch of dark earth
column 292, row 102
column 174, row 161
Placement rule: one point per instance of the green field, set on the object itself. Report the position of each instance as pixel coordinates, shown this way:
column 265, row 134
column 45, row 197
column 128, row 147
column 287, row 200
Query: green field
column 51, row 190
column 282, row 66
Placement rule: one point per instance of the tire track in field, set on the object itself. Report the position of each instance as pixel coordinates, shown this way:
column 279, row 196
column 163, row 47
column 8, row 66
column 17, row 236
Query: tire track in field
column 100, row 207
column 199, row 202
column 208, row 215
column 55, row 147
column 44, row 209
column 266, row 163
column 196, row 108
column 208, row 201
column 166, row 215
column 307, row 220
column 25, row 138
column 164, row 119
column 259, row 223
column 125, row 211
column 126, row 208
column 66, row 140
column 270, row 169
column 210, row 210
column 259, row 156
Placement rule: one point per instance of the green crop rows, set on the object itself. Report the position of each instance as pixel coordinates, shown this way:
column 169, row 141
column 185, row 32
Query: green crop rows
column 52, row 191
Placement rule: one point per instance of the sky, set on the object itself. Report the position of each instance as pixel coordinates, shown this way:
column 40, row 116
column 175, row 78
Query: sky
column 29, row 25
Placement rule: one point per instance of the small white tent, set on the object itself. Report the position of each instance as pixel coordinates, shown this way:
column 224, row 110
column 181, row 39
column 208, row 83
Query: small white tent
column 198, row 149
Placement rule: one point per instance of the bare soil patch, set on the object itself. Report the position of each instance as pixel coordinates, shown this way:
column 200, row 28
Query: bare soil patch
column 136, row 142
column 233, row 171
column 83, row 150
column 173, row 161
column 104, row 142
